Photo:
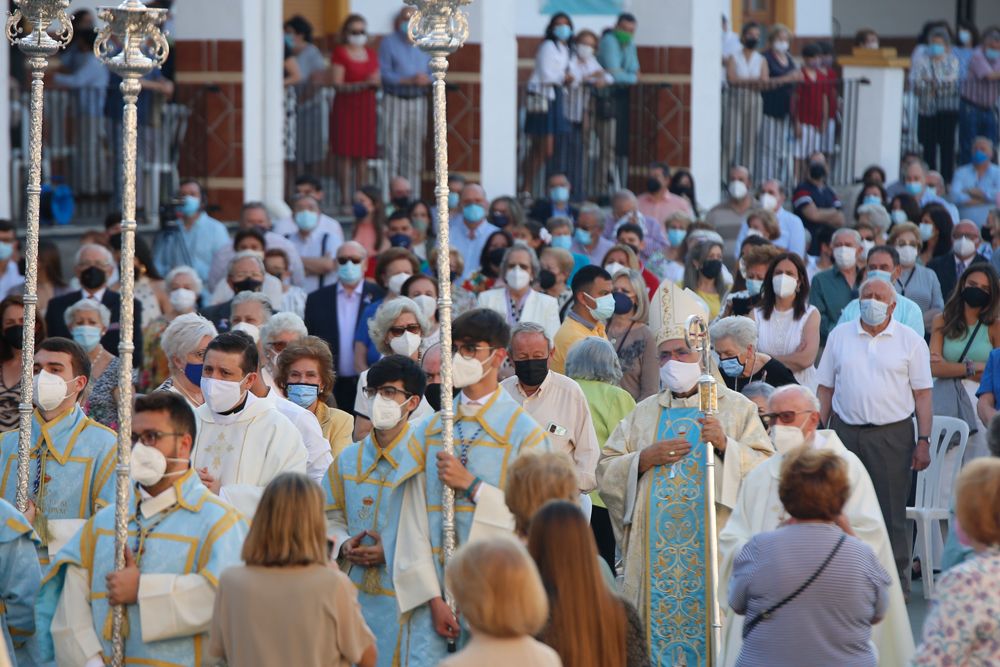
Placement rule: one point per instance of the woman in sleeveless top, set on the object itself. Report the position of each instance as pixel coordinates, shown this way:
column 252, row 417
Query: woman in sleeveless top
column 787, row 325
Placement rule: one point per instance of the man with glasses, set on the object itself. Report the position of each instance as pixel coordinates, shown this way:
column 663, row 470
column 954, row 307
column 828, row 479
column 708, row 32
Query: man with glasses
column 656, row 456
column 181, row 538
column 793, row 412
column 883, row 262
column 491, row 430
column 357, row 488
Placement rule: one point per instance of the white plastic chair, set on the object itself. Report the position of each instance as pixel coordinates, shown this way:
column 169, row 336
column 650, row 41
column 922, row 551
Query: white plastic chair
column 931, row 505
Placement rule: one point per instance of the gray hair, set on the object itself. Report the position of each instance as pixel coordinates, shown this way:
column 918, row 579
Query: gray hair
column 626, row 195
column 557, row 221
column 258, row 297
column 594, row 358
column 590, row 208
column 641, row 294
column 758, row 389
column 109, row 259
column 185, row 270
column 280, row 323
column 387, row 313
column 86, row 305
column 527, row 328
column 805, row 393
column 870, row 281
column 353, row 244
column 245, row 254
column 982, row 139
column 523, row 247
column 741, row 330
column 679, row 215
column 846, row 231
column 877, row 215
column 297, row 198
column 182, row 336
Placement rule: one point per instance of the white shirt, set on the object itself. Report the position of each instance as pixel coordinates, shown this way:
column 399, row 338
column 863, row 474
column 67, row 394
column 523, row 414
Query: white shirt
column 320, row 242
column 551, row 63
column 348, row 307
column 10, row 279
column 561, row 408
column 873, row 379
column 319, row 454
column 748, row 69
column 220, row 262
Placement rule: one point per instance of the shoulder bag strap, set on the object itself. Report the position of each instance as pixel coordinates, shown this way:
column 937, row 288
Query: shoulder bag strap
column 965, row 350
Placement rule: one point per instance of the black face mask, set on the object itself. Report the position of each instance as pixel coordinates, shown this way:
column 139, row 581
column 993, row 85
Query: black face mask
column 751, row 42
column 499, row 220
column 401, row 203
column 653, row 185
column 92, row 278
column 495, row 256
column 682, row 191
column 247, row 285
column 623, row 303
column 711, row 268
column 817, row 172
column 546, row 279
column 975, row 297
column 433, row 395
column 14, row 336
column 531, row 372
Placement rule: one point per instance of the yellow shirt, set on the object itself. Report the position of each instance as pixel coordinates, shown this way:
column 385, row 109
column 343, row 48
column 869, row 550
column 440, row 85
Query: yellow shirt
column 571, row 332
column 337, row 427
column 713, row 301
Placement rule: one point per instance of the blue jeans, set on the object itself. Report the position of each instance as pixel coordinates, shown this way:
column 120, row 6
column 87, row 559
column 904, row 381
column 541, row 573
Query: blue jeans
column 974, row 121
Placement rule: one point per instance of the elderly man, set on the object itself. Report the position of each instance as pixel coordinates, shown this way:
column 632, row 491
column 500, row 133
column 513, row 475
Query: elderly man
column 658, row 202
column 915, row 181
column 873, row 376
column 655, row 457
column 883, row 262
column 93, row 267
column 194, row 238
column 400, row 193
column 245, row 274
column 948, row 267
column 588, row 237
column 309, row 186
column 469, row 230
column 254, row 215
column 816, row 202
column 624, row 209
column 975, row 186
column 793, row 233
column 556, row 402
column 793, row 412
column 557, row 203
column 832, row 289
column 730, row 214
column 317, row 247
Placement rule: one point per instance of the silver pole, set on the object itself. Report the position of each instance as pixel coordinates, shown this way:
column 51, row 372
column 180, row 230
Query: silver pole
column 439, row 27
column 131, row 45
column 38, row 45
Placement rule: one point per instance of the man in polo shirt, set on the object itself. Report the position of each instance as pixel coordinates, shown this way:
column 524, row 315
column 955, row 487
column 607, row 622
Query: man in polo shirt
column 555, row 401
column 815, row 202
column 874, row 375
column 469, row 230
column 832, row 289
column 883, row 262
column 593, row 304
column 730, row 214
column 916, row 182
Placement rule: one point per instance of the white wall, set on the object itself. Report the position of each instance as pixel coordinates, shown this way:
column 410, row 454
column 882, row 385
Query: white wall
column 193, row 19
column 896, row 18
column 813, row 18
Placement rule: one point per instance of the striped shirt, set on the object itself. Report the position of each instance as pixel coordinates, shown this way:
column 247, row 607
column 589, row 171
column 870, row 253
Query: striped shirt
column 831, row 620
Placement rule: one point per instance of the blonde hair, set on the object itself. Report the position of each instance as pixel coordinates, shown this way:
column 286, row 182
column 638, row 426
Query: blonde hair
column 289, row 527
column 497, row 588
column 533, row 479
column 977, row 500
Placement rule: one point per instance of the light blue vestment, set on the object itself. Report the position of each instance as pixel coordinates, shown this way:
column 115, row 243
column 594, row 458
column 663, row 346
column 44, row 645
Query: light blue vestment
column 20, row 577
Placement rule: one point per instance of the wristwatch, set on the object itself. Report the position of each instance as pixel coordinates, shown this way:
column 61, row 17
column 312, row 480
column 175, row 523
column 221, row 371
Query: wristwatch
column 924, row 437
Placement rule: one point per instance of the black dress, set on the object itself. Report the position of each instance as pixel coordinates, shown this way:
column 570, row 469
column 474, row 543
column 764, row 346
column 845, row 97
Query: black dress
column 773, row 372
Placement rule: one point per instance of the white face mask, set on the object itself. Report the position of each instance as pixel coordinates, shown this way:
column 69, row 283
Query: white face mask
column 386, row 413
column 866, row 247
column 249, row 329
column 357, row 40
column 786, row 438
column 50, row 390
column 406, row 345
column 845, row 257
column 907, row 255
column 148, row 465
column 467, row 372
column 427, row 305
column 679, row 376
column 737, row 189
column 183, row 300
column 614, row 267
column 584, row 51
column 395, row 283
column 781, row 46
column 769, row 202
column 784, row 285
column 221, row 395
column 963, row 248
column 517, row 278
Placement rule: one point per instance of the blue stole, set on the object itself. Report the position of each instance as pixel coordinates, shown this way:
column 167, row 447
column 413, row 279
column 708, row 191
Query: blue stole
column 679, row 618
column 22, row 574
column 198, row 535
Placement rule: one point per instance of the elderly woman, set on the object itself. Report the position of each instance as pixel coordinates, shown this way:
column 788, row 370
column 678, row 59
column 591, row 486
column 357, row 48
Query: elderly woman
column 393, row 268
column 628, row 330
column 397, row 328
column 842, row 590
column 764, row 223
column 760, row 394
column 740, row 363
column 184, row 342
column 962, row 627
column 11, row 338
column 594, row 365
column 916, row 282
column 516, row 300
column 183, row 290
column 876, row 216
column 424, row 291
column 305, row 375
column 278, row 332
column 88, row 320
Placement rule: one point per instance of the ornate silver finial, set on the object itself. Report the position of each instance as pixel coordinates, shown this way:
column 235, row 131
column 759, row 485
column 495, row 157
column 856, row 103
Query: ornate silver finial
column 41, row 14
column 439, row 26
column 131, row 42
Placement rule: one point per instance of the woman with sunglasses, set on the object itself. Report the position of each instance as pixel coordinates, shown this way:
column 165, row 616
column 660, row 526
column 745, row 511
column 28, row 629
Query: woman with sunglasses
column 398, row 327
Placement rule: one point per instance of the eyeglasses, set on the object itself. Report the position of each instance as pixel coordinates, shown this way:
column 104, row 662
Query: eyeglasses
column 678, row 355
column 386, row 391
column 278, row 345
column 786, row 417
column 150, row 438
column 469, row 350
column 970, row 236
column 396, row 332
column 345, row 260
column 765, row 419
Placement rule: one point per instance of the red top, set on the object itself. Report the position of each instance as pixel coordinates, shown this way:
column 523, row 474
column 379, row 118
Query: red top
column 817, row 87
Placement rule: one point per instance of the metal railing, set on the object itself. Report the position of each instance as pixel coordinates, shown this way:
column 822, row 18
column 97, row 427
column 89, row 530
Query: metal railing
column 773, row 128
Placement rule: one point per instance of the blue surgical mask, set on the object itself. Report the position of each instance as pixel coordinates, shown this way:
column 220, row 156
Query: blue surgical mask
column 872, row 199
column 349, row 273
column 404, row 27
column 193, row 373
column 289, row 42
column 473, row 213
column 676, row 237
column 992, row 54
column 604, row 306
column 873, row 312
column 6, row 250
column 306, row 220
column 882, row 275
column 559, row 194
column 979, row 157
column 732, row 367
column 583, row 237
column 562, row 32
column 754, row 286
column 914, row 188
column 87, row 336
column 935, row 49
column 190, row 205
column 302, row 395
column 453, row 200
column 563, row 241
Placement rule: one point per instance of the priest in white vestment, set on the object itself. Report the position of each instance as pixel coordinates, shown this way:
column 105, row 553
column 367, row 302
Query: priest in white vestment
column 794, row 419
column 243, row 442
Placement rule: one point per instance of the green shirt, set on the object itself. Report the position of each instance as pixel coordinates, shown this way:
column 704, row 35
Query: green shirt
column 830, row 293
column 608, row 406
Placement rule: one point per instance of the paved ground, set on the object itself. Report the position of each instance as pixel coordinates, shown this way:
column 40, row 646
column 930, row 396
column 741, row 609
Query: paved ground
column 917, row 609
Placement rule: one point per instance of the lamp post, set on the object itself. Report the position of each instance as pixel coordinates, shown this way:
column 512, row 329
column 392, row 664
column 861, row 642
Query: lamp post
column 37, row 45
column 440, row 27
column 131, row 45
